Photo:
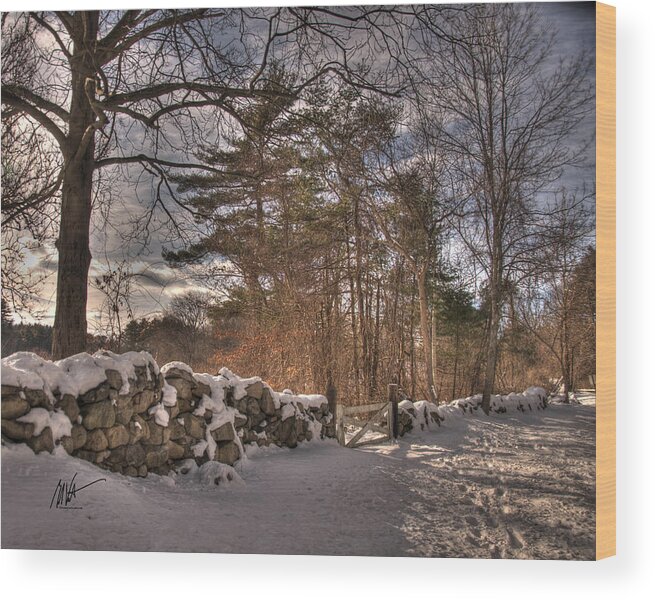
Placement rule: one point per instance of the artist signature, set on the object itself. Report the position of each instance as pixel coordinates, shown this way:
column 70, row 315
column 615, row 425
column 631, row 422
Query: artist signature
column 66, row 491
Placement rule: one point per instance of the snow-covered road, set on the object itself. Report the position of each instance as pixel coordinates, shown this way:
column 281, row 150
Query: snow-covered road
column 511, row 486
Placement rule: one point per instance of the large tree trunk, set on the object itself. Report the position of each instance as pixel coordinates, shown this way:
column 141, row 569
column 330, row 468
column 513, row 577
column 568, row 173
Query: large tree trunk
column 424, row 311
column 492, row 356
column 70, row 327
column 433, row 346
column 496, row 291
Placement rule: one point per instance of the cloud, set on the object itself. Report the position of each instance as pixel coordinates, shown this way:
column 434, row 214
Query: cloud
column 129, row 229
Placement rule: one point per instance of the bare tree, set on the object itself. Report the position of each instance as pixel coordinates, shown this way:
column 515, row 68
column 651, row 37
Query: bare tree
column 30, row 171
column 553, row 305
column 143, row 87
column 188, row 315
column 192, row 309
column 412, row 208
column 510, row 112
column 115, row 284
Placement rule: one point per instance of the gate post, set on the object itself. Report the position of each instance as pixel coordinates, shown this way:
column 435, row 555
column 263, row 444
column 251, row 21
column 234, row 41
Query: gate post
column 338, row 425
column 393, row 411
column 331, row 395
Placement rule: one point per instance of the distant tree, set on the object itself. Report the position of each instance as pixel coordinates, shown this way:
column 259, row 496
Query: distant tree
column 559, row 305
column 191, row 309
column 508, row 110
column 462, row 322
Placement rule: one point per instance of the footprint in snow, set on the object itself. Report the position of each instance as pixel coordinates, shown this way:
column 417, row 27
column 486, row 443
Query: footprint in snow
column 515, row 539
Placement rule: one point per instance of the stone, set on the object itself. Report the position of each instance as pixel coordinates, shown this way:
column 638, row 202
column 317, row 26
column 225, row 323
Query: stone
column 144, row 378
column 69, row 405
column 130, row 471
column 201, row 389
column 102, row 456
column 272, row 425
column 156, row 457
column 228, row 453
column 114, row 379
column 96, row 441
column 124, row 409
column 194, row 426
column 254, row 390
column 42, row 442
column 158, row 435
column 177, row 429
column 13, row 406
column 266, row 403
column 98, row 415
column 117, row 456
column 224, row 433
column 228, row 397
column 138, row 428
column 37, row 398
column 173, row 411
column 249, row 436
column 142, row 401
column 9, row 390
column 256, row 419
column 18, row 432
column 117, row 436
column 240, row 420
column 66, row 443
column 175, row 451
column 135, row 455
column 252, row 407
column 142, row 471
column 287, row 433
column 186, row 405
column 95, row 395
column 78, row 436
column 184, row 387
column 126, row 455
column 175, row 373
column 87, row 455
column 242, row 405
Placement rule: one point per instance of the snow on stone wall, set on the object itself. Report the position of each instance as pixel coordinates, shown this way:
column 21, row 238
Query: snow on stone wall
column 424, row 414
column 126, row 414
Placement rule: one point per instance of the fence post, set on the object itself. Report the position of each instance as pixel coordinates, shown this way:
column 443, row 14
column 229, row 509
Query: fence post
column 338, row 425
column 393, row 411
column 331, row 395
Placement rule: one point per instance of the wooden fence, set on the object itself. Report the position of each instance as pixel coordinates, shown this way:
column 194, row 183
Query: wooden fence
column 346, row 416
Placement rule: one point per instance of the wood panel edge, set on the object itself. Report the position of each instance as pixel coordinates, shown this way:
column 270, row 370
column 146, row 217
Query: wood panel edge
column 605, row 280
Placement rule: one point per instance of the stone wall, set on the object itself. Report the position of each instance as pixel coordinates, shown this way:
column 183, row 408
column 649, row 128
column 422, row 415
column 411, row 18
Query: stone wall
column 125, row 414
column 425, row 415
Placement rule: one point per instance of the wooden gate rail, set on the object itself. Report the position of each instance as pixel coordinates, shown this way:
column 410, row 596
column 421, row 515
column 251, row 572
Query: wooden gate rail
column 343, row 416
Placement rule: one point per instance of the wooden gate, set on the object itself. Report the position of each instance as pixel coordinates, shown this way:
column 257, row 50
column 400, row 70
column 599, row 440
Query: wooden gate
column 346, row 416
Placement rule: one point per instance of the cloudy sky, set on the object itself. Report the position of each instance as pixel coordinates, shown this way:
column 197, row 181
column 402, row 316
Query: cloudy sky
column 131, row 194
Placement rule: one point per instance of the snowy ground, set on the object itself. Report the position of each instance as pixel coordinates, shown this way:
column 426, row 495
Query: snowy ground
column 508, row 486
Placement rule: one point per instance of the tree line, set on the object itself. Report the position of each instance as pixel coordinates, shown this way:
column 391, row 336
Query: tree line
column 377, row 192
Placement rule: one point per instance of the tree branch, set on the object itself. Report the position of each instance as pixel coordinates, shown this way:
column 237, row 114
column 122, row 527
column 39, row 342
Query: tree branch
column 11, row 99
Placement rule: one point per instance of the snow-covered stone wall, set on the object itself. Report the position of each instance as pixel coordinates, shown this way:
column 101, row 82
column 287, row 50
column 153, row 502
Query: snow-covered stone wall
column 423, row 414
column 126, row 414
